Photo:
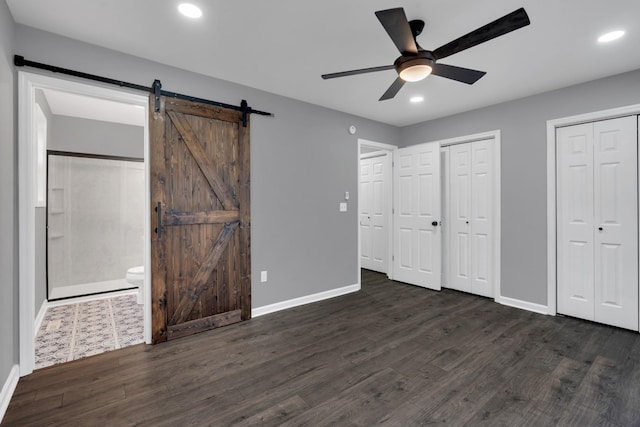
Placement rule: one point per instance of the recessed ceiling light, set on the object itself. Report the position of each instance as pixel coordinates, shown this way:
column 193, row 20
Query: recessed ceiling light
column 611, row 36
column 416, row 99
column 190, row 10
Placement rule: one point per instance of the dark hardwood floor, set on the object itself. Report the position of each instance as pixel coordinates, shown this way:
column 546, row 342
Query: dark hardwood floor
column 392, row 354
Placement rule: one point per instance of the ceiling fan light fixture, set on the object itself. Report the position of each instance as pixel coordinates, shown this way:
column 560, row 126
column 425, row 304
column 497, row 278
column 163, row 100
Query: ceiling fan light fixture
column 415, row 69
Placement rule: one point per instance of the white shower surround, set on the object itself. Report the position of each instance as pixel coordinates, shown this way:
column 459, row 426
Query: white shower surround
column 96, row 224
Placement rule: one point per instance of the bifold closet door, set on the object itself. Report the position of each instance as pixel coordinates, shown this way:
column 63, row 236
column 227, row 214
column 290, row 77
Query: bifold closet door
column 374, row 173
column 597, row 240
column 470, row 237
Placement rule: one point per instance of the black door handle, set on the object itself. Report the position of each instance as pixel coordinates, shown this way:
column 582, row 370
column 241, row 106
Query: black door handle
column 600, row 228
column 434, row 223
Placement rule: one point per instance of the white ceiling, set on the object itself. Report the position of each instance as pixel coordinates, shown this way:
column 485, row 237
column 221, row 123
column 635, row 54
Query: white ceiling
column 283, row 46
column 86, row 107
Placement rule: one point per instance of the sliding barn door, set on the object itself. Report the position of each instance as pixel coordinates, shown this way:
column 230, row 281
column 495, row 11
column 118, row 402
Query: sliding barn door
column 200, row 248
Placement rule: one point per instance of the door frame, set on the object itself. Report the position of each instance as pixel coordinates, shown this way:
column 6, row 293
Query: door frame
column 27, row 84
column 493, row 137
column 552, row 125
column 390, row 149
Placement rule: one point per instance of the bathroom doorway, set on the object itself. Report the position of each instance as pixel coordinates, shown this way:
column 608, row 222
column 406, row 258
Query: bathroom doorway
column 95, row 223
column 84, row 226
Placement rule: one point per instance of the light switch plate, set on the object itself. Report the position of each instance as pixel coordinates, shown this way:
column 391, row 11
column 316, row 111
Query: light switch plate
column 263, row 276
column 343, row 207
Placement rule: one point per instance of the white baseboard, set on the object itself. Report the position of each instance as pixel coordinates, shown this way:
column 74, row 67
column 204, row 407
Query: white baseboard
column 283, row 305
column 524, row 305
column 40, row 317
column 7, row 390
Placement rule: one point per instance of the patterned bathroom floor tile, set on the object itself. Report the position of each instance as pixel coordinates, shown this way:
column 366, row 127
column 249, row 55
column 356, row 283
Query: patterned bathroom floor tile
column 73, row 331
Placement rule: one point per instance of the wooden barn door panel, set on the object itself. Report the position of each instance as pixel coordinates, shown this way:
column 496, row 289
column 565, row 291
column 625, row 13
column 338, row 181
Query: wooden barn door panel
column 200, row 193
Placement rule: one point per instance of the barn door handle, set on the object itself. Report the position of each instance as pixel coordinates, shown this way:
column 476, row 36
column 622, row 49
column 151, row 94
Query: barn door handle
column 159, row 218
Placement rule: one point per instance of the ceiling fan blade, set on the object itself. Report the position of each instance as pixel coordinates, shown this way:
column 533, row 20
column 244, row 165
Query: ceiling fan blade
column 360, row 71
column 464, row 75
column 393, row 90
column 397, row 26
column 499, row 27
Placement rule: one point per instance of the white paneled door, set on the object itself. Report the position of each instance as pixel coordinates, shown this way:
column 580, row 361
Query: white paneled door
column 374, row 175
column 470, row 218
column 417, row 233
column 597, row 240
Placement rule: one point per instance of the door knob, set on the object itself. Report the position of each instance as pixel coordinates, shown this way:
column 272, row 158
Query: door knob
column 467, row 222
column 600, row 228
column 434, row 223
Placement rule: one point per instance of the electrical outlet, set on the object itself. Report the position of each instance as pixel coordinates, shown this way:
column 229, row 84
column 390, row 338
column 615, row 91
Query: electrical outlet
column 343, row 207
column 263, row 276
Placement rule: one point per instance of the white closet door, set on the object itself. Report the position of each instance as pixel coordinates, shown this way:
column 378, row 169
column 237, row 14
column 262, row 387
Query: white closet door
column 417, row 241
column 365, row 204
column 460, row 218
column 616, row 222
column 597, row 185
column 575, row 221
column 481, row 218
column 374, row 176
column 470, row 219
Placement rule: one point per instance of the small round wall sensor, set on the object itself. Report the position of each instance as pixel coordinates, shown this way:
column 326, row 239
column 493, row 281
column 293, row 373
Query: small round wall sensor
column 352, row 130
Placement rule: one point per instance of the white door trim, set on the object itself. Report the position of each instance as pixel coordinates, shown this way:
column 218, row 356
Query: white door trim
column 552, row 125
column 495, row 137
column 390, row 149
column 27, row 84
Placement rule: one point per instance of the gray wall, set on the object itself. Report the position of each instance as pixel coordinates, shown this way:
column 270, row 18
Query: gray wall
column 9, row 197
column 96, row 137
column 303, row 160
column 524, row 178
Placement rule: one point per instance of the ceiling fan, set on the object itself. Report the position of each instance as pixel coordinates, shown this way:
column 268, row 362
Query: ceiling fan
column 416, row 63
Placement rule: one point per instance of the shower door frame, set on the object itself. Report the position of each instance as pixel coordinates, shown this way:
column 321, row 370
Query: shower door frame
column 27, row 85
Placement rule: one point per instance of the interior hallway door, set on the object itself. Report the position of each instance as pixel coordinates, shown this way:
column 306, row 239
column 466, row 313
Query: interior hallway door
column 375, row 171
column 200, row 248
column 417, row 205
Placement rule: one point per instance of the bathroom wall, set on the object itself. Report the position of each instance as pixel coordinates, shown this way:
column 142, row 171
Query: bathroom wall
column 96, row 220
column 96, row 137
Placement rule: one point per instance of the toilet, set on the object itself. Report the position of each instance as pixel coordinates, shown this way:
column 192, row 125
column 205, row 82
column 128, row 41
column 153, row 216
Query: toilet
column 135, row 277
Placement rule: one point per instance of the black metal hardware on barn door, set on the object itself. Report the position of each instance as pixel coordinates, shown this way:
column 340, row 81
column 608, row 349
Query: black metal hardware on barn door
column 155, row 89
column 159, row 218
